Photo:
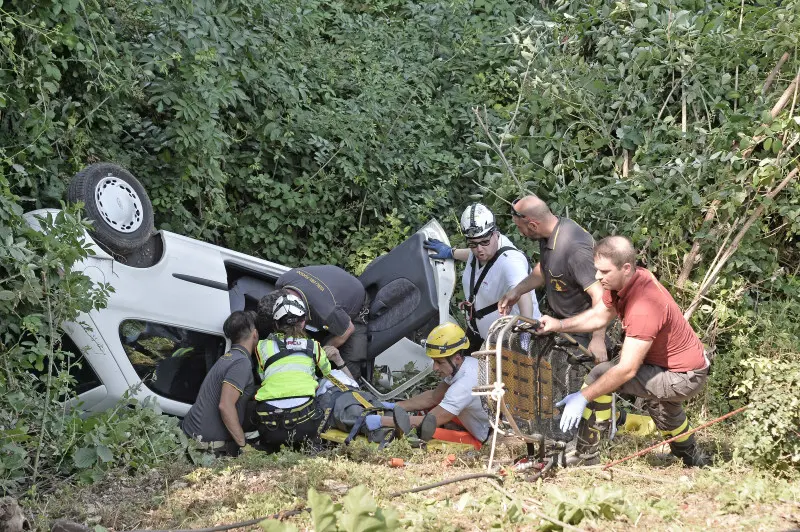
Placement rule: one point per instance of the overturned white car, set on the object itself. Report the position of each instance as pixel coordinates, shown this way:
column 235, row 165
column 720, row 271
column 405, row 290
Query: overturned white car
column 162, row 329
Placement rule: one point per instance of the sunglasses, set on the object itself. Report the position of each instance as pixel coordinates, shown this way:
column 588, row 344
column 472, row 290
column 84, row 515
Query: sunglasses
column 483, row 243
column 516, row 214
column 514, row 211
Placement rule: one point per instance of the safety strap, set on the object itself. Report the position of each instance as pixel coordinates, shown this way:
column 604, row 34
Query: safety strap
column 360, row 422
column 360, row 398
column 474, row 286
column 284, row 352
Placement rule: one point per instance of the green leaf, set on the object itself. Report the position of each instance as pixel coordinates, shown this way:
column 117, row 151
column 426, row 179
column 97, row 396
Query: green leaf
column 273, row 525
column 104, row 453
column 84, row 457
column 322, row 511
column 547, row 162
column 358, row 506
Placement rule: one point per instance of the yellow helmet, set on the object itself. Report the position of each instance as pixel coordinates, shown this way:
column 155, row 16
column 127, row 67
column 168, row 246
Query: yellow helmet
column 445, row 340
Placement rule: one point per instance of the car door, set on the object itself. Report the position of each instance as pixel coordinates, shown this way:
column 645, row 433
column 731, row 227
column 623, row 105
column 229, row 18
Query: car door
column 407, row 289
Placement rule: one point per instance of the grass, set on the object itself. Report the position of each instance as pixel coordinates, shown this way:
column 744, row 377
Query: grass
column 652, row 493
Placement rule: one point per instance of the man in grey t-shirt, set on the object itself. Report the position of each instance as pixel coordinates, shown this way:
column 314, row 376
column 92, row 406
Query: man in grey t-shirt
column 217, row 416
column 335, row 300
column 565, row 268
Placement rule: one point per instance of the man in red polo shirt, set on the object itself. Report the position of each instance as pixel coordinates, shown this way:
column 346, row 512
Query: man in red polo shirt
column 662, row 359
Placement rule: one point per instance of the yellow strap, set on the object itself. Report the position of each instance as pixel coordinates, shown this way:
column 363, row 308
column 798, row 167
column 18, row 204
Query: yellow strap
column 360, row 398
column 675, row 432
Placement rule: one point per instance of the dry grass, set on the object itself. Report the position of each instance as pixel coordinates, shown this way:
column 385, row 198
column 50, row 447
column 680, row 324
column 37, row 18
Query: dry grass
column 662, row 494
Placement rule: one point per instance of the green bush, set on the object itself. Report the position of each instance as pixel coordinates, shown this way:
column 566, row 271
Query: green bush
column 132, row 435
column 769, row 436
column 41, row 437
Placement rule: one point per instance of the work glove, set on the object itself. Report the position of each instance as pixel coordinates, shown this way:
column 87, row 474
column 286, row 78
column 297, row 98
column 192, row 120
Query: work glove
column 373, row 422
column 574, row 404
column 443, row 251
column 387, row 405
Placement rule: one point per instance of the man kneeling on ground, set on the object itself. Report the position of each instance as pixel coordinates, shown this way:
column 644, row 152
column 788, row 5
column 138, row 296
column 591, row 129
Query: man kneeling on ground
column 216, row 417
column 454, row 413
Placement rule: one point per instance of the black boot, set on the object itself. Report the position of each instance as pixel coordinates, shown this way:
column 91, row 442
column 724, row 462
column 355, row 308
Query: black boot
column 587, row 447
column 402, row 423
column 691, row 455
column 427, row 427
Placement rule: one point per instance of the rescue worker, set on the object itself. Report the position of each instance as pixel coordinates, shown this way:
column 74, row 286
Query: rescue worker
column 565, row 268
column 338, row 304
column 217, row 416
column 662, row 359
column 289, row 366
column 494, row 266
column 454, row 413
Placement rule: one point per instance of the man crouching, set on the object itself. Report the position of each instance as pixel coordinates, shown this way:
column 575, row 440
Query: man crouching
column 662, row 359
column 215, row 419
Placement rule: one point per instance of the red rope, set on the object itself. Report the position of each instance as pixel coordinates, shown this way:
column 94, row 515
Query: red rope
column 645, row 451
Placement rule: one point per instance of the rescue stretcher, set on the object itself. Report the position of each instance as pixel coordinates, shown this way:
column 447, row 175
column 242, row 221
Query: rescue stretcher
column 522, row 376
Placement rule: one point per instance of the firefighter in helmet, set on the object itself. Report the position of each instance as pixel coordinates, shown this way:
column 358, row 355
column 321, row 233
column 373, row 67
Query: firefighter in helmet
column 453, row 413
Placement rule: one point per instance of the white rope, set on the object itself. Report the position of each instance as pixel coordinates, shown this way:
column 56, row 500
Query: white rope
column 498, row 391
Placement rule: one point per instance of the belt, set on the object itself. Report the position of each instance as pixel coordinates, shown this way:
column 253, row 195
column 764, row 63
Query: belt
column 699, row 371
column 209, row 445
column 278, row 411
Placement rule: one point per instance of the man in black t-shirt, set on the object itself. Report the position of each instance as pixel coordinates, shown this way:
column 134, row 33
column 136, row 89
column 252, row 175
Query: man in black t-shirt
column 565, row 268
column 217, row 416
column 337, row 302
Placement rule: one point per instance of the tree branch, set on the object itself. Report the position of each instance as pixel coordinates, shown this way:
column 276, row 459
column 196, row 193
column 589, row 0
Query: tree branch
column 734, row 245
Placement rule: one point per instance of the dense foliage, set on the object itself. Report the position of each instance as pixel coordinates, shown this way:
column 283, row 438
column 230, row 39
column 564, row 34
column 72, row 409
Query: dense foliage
column 639, row 118
column 292, row 130
column 306, row 131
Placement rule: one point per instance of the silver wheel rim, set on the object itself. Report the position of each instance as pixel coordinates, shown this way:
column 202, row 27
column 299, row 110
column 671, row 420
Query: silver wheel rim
column 118, row 204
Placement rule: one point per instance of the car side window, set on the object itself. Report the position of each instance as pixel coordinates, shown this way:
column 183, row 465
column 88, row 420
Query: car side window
column 79, row 368
column 171, row 361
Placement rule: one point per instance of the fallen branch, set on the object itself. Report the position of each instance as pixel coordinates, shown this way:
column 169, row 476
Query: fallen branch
column 774, row 73
column 734, row 245
column 444, row 482
column 242, row 524
column 688, row 262
column 776, row 110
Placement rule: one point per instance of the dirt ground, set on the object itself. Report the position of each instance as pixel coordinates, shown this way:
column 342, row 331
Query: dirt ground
column 650, row 493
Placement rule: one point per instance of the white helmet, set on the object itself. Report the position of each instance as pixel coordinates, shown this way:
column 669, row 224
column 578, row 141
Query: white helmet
column 477, row 221
column 289, row 309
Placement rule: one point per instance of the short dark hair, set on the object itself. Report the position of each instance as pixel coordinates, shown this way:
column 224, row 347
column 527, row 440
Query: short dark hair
column 238, row 326
column 618, row 249
column 264, row 322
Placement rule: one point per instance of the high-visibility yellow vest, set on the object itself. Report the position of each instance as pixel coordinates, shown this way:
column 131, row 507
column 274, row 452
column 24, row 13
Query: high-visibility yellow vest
column 289, row 370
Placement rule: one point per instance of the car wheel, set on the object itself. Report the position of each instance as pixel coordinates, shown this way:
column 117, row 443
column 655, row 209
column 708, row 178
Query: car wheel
column 117, row 204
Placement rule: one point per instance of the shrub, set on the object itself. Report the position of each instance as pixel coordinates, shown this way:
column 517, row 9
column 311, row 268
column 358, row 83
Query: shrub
column 769, row 436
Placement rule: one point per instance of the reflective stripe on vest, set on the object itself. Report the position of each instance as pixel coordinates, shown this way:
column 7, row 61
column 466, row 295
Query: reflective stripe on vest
column 290, row 376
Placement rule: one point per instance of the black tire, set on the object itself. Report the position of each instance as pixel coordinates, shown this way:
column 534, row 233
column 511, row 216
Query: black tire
column 127, row 231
